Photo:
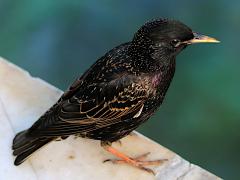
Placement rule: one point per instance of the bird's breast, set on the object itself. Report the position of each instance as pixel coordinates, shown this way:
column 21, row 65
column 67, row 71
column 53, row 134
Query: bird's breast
column 160, row 82
column 156, row 79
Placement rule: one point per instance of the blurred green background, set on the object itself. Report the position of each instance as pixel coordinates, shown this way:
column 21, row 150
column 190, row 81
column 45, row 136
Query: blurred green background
column 200, row 117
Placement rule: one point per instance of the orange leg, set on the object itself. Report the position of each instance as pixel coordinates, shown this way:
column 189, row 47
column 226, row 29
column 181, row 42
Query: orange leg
column 136, row 162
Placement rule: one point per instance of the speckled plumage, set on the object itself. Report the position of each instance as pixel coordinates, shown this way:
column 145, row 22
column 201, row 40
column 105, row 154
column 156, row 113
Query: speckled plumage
column 116, row 94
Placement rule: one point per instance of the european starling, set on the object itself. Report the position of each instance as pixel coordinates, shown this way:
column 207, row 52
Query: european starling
column 119, row 92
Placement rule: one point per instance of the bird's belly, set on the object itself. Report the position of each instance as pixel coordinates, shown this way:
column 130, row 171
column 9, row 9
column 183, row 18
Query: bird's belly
column 116, row 131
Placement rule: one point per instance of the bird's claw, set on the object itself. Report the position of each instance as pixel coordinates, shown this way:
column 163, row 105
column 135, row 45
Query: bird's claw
column 138, row 162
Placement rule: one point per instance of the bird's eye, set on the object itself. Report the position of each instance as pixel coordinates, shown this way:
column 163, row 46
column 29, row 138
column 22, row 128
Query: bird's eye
column 175, row 42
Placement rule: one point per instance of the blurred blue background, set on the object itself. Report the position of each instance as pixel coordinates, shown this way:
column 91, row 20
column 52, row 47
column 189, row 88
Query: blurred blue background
column 200, row 117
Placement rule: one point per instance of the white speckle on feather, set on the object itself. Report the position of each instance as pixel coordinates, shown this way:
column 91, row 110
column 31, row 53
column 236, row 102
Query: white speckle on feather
column 138, row 113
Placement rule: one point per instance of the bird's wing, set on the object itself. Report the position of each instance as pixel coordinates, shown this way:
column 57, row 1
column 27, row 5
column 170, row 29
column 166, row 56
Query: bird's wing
column 99, row 105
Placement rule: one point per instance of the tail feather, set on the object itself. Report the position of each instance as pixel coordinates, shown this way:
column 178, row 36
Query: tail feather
column 24, row 145
column 21, row 139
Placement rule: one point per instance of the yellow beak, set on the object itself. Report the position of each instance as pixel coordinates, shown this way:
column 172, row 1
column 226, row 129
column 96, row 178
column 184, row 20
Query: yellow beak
column 198, row 38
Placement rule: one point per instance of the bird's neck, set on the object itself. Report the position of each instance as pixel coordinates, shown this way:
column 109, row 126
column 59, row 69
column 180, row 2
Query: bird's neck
column 148, row 56
column 149, row 61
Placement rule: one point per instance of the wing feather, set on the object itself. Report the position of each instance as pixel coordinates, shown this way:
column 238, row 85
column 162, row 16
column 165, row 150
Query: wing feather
column 110, row 103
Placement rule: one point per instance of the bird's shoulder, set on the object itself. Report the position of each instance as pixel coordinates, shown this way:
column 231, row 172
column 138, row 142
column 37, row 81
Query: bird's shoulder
column 113, row 65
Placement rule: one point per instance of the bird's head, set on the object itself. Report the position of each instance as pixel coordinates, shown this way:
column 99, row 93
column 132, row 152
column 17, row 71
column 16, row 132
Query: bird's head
column 167, row 37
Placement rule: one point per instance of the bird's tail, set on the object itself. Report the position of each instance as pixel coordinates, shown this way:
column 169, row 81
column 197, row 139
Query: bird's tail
column 24, row 145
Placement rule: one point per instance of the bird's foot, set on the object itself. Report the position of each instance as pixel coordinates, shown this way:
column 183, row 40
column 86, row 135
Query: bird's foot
column 137, row 162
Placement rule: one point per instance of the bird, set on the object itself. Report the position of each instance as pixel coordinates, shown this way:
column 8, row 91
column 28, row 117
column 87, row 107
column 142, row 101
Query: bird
column 117, row 94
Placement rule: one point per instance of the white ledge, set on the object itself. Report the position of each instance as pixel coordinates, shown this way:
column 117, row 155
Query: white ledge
column 24, row 98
